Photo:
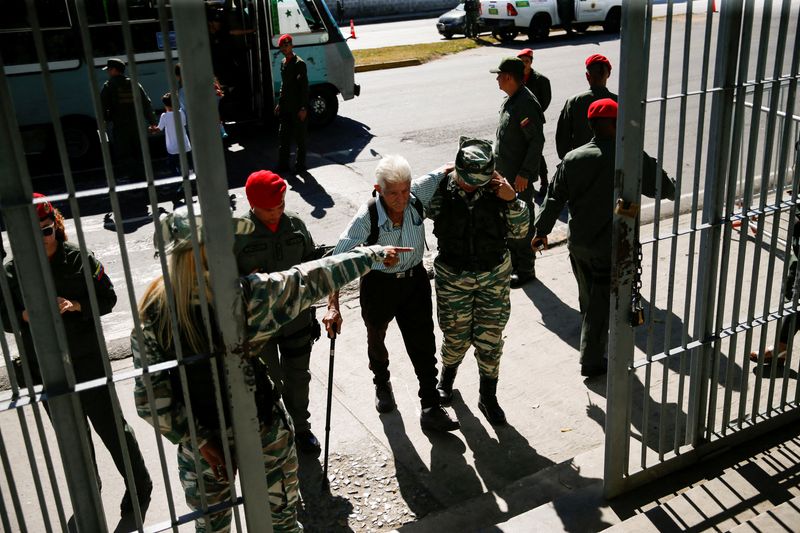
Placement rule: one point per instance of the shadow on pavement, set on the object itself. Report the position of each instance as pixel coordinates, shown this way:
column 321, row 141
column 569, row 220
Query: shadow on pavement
column 320, row 510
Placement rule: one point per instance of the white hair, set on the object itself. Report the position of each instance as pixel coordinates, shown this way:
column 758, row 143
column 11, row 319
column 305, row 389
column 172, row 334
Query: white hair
column 392, row 169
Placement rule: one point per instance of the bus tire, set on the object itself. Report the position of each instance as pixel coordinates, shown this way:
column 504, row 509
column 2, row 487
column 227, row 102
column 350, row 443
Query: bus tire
column 323, row 105
column 81, row 139
column 539, row 29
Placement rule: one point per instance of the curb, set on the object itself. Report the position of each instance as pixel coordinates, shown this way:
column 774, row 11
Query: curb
column 388, row 64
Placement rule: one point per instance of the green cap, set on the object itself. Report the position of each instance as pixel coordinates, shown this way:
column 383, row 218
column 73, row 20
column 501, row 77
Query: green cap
column 176, row 229
column 511, row 65
column 475, row 161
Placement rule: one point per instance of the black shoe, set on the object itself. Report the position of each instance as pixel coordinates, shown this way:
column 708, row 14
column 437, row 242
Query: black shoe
column 143, row 491
column 307, row 443
column 591, row 371
column 487, row 402
column 299, row 168
column 384, row 398
column 437, row 419
column 520, row 279
column 445, row 386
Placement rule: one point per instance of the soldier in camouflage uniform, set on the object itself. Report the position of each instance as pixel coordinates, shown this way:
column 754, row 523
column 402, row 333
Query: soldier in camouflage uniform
column 280, row 240
column 474, row 211
column 271, row 300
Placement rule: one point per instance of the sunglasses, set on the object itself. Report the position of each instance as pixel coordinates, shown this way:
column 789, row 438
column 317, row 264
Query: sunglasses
column 48, row 230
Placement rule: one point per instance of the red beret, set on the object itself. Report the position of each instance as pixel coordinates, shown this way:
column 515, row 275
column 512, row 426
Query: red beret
column 525, row 52
column 44, row 209
column 597, row 58
column 285, row 38
column 603, row 108
column 265, row 189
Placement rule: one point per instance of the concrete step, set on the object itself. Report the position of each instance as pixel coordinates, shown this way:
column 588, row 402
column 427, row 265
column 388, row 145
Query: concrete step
column 740, row 493
column 756, row 482
column 783, row 517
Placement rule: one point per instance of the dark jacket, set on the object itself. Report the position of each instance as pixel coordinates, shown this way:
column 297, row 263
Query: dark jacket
column 294, row 85
column 267, row 251
column 520, row 136
column 539, row 85
column 585, row 182
column 573, row 128
column 116, row 97
column 68, row 277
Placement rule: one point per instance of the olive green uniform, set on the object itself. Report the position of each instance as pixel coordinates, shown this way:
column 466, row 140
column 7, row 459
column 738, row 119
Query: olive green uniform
column 539, row 85
column 518, row 152
column 584, row 178
column 293, row 97
column 572, row 129
column 85, row 353
column 267, row 251
column 119, row 112
column 471, row 18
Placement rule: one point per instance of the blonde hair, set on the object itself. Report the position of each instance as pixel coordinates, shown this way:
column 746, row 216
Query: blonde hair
column 154, row 305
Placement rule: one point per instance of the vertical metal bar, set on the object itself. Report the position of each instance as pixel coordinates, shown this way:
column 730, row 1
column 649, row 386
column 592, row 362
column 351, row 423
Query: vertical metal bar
column 656, row 231
column 209, row 165
column 37, row 415
column 730, row 208
column 75, row 209
column 627, row 187
column 714, row 188
column 772, row 119
column 758, row 94
column 39, row 296
column 690, row 283
column 12, row 488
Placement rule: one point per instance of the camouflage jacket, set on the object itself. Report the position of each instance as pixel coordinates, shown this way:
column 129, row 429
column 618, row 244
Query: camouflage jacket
column 272, row 300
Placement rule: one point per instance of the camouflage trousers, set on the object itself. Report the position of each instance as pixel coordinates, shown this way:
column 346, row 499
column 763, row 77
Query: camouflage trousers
column 473, row 308
column 280, row 466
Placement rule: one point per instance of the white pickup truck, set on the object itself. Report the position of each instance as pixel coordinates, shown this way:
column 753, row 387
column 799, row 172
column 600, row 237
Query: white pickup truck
column 508, row 18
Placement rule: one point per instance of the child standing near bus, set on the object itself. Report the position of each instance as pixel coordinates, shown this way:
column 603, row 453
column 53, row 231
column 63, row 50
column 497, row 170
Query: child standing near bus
column 167, row 124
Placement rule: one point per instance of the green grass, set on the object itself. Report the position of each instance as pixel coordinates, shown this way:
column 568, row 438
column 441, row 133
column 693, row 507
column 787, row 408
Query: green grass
column 422, row 52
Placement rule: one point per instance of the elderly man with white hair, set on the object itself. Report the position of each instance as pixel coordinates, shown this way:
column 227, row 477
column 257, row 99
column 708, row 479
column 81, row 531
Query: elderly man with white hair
column 400, row 290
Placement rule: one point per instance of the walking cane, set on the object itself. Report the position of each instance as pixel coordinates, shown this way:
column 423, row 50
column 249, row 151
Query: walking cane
column 328, row 412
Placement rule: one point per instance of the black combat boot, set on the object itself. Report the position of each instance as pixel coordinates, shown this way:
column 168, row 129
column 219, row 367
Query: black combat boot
column 445, row 386
column 488, row 402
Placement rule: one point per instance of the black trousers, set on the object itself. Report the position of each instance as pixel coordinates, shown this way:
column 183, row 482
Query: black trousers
column 385, row 297
column 291, row 129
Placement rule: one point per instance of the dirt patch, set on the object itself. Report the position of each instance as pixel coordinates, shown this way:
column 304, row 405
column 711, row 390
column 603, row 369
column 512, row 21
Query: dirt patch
column 363, row 495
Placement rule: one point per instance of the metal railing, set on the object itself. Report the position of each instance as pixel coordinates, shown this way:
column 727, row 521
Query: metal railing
column 682, row 385
column 62, row 475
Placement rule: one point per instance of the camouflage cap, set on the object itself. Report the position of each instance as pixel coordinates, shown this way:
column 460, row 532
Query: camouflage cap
column 176, row 229
column 474, row 161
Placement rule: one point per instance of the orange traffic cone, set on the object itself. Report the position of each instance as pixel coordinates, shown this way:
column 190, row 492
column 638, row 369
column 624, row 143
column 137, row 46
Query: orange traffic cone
column 352, row 29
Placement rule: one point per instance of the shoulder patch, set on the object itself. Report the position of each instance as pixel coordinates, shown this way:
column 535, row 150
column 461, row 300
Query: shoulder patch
column 524, row 122
column 99, row 272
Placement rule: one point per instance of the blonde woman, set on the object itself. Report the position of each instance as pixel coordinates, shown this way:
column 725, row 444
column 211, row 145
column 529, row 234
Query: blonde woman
column 271, row 300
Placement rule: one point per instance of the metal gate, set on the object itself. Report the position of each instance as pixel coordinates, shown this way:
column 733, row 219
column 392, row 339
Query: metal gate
column 713, row 95
column 47, row 460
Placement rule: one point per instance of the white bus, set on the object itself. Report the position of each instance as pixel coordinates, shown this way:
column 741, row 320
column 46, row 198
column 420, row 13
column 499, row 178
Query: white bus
column 244, row 52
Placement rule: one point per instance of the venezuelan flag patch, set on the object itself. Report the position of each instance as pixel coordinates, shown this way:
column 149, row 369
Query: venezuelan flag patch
column 524, row 122
column 99, row 272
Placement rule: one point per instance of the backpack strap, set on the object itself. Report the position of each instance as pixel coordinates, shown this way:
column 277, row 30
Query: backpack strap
column 372, row 208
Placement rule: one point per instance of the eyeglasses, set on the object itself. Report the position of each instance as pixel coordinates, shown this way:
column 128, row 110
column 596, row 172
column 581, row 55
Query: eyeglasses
column 48, row 230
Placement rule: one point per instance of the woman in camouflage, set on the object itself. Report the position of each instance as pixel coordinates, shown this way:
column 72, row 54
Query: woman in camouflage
column 271, row 300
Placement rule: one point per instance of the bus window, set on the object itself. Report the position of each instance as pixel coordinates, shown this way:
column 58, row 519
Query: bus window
column 103, row 11
column 51, row 14
column 301, row 19
column 107, row 41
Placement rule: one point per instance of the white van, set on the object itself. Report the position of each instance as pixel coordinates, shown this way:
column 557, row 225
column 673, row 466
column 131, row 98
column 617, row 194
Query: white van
column 508, row 18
